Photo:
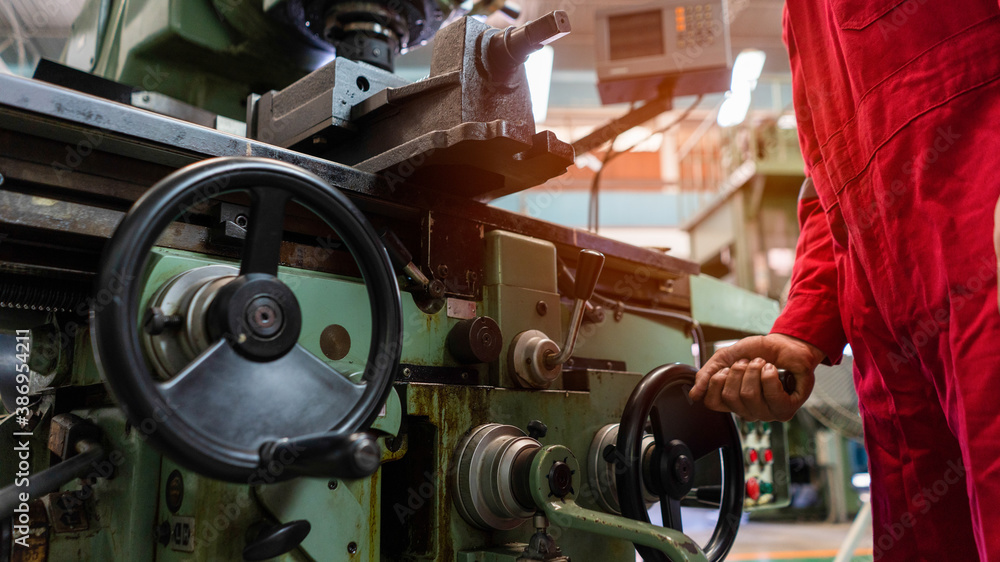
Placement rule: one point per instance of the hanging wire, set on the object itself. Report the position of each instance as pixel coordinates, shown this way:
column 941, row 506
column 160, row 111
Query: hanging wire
column 594, row 205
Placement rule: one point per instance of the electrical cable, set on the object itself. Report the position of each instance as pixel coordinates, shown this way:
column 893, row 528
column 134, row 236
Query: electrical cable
column 595, row 184
column 663, row 129
column 594, row 203
column 693, row 326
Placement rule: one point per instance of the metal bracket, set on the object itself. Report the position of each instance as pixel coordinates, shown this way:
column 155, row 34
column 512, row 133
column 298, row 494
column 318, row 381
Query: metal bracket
column 565, row 512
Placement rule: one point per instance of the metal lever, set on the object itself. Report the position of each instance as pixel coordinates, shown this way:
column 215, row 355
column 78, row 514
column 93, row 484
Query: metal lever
column 674, row 544
column 274, row 541
column 401, row 258
column 588, row 270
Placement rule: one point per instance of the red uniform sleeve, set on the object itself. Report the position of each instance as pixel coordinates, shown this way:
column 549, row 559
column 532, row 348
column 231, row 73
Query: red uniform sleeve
column 812, row 313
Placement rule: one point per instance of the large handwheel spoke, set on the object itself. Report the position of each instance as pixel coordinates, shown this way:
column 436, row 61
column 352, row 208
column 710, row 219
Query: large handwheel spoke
column 703, row 430
column 246, row 402
column 262, row 248
column 670, row 510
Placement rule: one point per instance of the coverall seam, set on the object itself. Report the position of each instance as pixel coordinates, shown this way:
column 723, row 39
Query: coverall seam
column 908, row 122
column 867, row 94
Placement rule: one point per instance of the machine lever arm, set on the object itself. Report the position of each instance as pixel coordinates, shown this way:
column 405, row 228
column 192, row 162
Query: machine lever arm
column 588, row 270
column 566, row 513
column 401, row 258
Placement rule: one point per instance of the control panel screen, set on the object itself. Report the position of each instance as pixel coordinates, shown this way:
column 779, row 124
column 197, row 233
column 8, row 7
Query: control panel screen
column 635, row 35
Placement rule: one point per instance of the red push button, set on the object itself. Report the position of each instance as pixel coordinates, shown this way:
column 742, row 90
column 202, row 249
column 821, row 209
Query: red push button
column 753, row 489
column 768, row 455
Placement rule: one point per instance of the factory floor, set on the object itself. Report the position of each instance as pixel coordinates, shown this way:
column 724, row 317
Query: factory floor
column 791, row 542
column 769, row 541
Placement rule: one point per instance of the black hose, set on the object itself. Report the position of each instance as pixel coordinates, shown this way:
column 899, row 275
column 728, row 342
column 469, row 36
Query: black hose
column 52, row 478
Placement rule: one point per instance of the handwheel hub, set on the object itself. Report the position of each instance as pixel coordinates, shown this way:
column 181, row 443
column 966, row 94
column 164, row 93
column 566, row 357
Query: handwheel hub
column 674, row 468
column 264, row 317
column 259, row 316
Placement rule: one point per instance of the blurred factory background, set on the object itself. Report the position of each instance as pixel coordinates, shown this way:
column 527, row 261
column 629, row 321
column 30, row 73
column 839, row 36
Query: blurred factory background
column 708, row 181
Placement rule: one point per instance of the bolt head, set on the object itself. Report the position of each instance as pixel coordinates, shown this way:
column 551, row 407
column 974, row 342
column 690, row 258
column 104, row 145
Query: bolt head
column 683, row 469
column 560, row 479
column 542, row 308
column 264, row 317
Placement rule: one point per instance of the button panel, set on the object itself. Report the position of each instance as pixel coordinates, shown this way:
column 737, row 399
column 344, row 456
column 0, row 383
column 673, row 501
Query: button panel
column 696, row 26
column 765, row 458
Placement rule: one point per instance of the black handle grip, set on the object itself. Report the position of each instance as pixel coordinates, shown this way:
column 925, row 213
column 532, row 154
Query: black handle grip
column 331, row 455
column 787, row 379
column 275, row 541
column 588, row 269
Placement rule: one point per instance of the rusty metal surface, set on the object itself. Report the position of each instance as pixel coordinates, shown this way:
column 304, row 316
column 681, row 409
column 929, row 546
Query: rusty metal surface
column 37, row 538
column 439, row 415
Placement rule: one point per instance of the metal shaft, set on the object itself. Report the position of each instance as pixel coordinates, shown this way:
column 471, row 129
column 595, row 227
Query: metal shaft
column 511, row 48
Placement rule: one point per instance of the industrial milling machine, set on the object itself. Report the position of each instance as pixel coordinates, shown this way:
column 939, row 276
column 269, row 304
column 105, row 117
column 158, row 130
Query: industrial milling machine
column 256, row 307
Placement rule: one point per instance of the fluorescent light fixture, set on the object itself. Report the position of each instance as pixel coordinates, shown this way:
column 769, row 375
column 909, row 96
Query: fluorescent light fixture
column 746, row 71
column 787, row 121
column 734, row 109
column 861, row 480
column 539, row 70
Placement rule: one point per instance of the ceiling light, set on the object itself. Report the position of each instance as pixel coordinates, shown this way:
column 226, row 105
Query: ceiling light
column 539, row 70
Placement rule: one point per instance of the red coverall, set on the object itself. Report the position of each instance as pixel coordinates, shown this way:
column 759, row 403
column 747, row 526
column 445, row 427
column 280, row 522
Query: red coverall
column 898, row 109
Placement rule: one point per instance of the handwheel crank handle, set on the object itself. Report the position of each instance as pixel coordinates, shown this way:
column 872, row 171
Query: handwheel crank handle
column 787, row 379
column 565, row 512
column 330, row 455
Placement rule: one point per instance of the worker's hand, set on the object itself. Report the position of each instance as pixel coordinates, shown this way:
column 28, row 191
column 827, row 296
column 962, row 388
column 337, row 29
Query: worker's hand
column 743, row 378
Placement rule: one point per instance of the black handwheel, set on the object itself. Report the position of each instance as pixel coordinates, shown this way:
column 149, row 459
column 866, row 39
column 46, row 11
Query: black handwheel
column 254, row 385
column 685, row 432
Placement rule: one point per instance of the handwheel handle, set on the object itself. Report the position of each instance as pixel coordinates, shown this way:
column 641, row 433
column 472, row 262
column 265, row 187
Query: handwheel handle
column 787, row 379
column 328, row 455
column 685, row 431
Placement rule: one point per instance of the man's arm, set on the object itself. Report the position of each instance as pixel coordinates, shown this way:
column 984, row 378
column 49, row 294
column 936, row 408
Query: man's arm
column 812, row 313
column 743, row 378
